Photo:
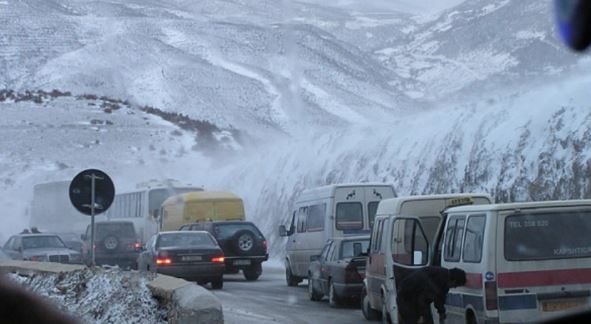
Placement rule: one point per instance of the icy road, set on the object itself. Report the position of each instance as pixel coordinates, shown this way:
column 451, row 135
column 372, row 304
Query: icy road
column 269, row 300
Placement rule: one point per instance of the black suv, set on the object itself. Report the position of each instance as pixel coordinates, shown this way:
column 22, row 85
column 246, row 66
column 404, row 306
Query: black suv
column 244, row 246
column 116, row 243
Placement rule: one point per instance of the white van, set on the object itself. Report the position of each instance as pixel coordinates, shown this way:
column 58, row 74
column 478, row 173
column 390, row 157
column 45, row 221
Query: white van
column 400, row 242
column 525, row 262
column 326, row 212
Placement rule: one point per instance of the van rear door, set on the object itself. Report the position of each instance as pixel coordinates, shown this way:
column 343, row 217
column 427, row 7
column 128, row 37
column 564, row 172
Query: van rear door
column 349, row 212
column 544, row 267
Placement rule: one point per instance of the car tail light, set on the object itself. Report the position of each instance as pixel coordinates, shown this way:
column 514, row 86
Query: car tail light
column 490, row 293
column 265, row 244
column 137, row 245
column 163, row 261
column 218, row 259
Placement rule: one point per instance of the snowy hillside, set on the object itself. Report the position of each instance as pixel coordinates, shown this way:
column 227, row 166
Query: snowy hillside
column 526, row 146
column 479, row 98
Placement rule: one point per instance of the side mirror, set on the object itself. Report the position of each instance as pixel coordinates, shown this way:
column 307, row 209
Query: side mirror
column 417, row 258
column 156, row 213
column 282, row 231
column 314, row 258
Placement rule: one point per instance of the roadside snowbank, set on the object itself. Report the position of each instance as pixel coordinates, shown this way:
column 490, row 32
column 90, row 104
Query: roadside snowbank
column 99, row 295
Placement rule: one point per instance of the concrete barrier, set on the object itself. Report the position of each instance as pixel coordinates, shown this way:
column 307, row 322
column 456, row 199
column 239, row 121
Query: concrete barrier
column 187, row 302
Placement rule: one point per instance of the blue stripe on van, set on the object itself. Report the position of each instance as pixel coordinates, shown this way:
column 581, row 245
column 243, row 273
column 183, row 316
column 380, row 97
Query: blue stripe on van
column 518, row 302
column 463, row 300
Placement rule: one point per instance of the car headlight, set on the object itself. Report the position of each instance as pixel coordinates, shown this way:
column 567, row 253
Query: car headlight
column 75, row 257
column 38, row 258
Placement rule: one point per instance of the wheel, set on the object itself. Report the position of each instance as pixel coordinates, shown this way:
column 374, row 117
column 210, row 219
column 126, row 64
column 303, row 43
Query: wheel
column 253, row 272
column 217, row 283
column 111, row 243
column 313, row 293
column 385, row 316
column 333, row 298
column 369, row 313
column 243, row 242
column 292, row 281
column 470, row 318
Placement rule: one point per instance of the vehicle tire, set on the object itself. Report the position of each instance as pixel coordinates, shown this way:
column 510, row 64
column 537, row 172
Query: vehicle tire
column 253, row 272
column 243, row 242
column 333, row 298
column 292, row 281
column 385, row 317
column 111, row 243
column 313, row 293
column 470, row 318
column 369, row 313
column 218, row 283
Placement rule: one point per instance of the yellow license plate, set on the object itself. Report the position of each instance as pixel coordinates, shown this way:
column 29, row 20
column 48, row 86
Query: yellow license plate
column 559, row 305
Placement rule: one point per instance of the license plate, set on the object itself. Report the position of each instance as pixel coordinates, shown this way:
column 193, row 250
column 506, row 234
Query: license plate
column 191, row 258
column 559, row 305
column 242, row 262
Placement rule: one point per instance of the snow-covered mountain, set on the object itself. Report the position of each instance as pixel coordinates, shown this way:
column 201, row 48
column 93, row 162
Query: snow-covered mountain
column 480, row 97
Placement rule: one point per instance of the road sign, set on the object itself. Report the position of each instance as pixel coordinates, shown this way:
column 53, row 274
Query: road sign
column 81, row 191
column 92, row 192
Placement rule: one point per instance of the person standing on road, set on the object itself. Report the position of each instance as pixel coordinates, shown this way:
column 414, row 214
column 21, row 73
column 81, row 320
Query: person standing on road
column 419, row 289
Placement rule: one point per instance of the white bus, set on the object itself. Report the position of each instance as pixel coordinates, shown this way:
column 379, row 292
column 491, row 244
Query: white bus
column 52, row 210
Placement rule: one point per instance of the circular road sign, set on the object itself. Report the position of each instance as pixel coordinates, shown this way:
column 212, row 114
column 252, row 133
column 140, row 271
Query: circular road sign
column 81, row 190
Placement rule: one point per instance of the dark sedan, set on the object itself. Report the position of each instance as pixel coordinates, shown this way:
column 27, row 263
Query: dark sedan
column 339, row 270
column 189, row 255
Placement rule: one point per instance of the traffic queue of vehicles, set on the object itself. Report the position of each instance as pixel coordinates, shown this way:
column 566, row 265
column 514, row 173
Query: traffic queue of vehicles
column 525, row 262
column 355, row 243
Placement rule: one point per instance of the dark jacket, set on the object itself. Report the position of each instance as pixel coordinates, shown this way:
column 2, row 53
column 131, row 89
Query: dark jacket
column 419, row 289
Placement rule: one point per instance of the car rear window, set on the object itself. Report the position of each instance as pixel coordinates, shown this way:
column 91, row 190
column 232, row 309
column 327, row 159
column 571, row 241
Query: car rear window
column 185, row 240
column 117, row 229
column 349, row 216
column 36, row 242
column 348, row 248
column 226, row 231
column 542, row 236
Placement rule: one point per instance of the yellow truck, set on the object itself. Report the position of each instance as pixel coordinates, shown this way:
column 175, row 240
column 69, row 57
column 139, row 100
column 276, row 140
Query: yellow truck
column 200, row 206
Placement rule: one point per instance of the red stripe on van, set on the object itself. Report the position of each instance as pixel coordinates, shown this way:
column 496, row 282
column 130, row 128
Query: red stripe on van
column 473, row 280
column 543, row 278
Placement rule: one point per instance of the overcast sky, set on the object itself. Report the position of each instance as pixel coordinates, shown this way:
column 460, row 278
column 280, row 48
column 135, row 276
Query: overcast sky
column 413, row 6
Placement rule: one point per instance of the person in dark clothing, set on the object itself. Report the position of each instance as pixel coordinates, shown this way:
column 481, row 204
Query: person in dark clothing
column 422, row 287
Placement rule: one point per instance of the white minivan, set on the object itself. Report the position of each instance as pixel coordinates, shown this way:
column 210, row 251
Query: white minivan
column 525, row 262
column 401, row 241
column 326, row 212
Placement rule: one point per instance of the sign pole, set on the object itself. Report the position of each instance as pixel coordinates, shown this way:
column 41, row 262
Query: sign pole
column 92, row 202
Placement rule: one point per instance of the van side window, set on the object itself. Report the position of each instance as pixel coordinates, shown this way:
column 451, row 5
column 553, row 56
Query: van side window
column 376, row 237
column 453, row 238
column 316, row 217
column 372, row 208
column 324, row 253
column 349, row 216
column 302, row 218
column 474, row 238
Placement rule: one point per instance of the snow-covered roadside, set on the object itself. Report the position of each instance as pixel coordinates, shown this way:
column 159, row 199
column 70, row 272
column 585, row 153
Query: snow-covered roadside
column 99, row 295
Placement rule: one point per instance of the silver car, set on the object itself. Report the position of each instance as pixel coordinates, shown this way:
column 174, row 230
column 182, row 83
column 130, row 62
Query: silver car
column 40, row 247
